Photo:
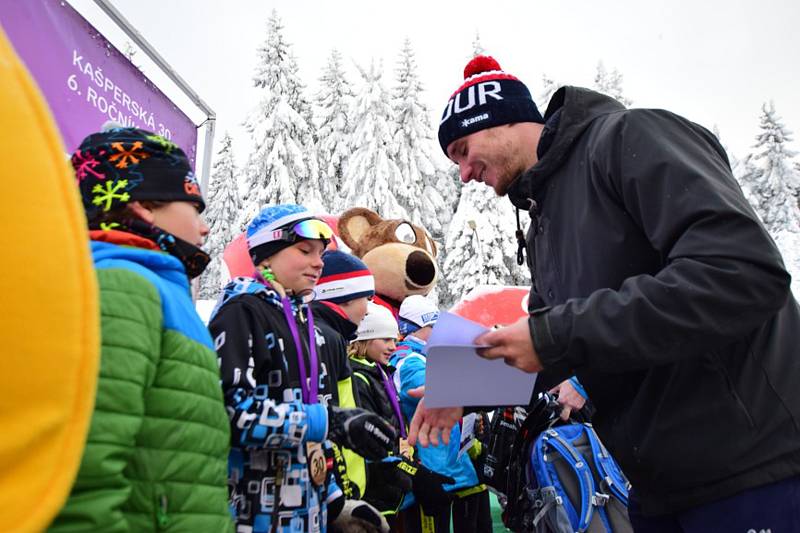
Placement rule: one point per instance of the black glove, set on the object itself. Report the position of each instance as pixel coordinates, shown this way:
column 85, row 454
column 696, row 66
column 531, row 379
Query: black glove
column 427, row 487
column 386, row 484
column 358, row 516
column 367, row 434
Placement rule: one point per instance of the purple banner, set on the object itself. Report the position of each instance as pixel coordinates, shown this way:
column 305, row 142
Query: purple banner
column 85, row 79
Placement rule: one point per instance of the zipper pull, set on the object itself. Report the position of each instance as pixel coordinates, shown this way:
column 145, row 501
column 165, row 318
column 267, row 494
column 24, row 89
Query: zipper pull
column 533, row 210
column 520, row 240
column 161, row 514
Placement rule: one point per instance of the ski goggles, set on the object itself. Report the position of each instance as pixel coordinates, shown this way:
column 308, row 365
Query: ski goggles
column 311, row 228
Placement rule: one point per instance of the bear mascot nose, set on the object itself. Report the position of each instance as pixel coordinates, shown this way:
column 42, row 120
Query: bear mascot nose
column 420, row 269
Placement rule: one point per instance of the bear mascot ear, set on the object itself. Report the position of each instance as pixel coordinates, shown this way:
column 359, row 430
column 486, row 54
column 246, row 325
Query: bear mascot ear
column 354, row 225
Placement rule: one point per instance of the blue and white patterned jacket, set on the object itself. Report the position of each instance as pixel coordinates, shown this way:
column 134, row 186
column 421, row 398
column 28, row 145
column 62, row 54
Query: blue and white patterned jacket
column 270, row 424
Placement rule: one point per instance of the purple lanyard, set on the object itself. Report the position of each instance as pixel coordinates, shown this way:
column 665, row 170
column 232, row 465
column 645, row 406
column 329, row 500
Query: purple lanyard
column 311, row 388
column 391, row 392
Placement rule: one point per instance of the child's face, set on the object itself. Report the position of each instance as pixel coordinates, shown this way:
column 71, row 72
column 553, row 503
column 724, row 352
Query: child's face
column 380, row 350
column 299, row 266
column 355, row 309
column 182, row 219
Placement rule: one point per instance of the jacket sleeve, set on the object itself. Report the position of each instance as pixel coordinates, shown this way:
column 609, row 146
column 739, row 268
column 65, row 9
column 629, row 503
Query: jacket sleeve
column 354, row 465
column 245, row 350
column 131, row 328
column 412, row 375
column 722, row 275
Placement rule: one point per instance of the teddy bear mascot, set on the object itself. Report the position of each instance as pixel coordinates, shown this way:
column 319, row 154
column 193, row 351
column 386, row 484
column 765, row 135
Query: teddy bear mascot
column 400, row 255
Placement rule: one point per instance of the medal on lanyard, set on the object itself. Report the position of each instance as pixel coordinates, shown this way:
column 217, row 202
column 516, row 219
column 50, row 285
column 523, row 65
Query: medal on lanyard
column 317, row 467
column 391, row 392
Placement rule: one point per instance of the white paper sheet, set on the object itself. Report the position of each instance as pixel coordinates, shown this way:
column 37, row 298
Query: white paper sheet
column 456, row 376
column 467, row 433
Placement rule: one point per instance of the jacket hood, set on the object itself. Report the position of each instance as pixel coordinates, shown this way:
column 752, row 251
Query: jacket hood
column 161, row 263
column 579, row 108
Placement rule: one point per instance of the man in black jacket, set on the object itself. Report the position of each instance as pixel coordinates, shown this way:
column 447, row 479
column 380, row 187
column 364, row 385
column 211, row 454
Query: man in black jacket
column 655, row 283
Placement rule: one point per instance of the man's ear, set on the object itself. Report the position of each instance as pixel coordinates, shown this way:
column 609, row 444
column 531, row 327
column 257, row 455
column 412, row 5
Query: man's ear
column 354, row 224
column 140, row 211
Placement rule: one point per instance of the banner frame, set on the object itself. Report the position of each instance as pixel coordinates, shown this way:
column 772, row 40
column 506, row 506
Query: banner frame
column 211, row 117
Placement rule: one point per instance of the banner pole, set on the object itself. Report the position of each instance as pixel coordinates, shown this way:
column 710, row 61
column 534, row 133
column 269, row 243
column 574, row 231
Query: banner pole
column 151, row 52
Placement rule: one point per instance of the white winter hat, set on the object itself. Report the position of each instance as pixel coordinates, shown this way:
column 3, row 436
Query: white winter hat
column 416, row 312
column 378, row 324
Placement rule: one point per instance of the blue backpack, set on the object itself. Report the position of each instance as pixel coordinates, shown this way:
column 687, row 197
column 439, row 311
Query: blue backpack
column 565, row 481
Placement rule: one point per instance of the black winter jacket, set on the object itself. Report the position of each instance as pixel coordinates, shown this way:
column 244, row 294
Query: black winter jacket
column 336, row 332
column 372, row 394
column 655, row 283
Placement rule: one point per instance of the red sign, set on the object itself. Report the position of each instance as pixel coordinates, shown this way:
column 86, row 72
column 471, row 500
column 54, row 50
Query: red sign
column 493, row 305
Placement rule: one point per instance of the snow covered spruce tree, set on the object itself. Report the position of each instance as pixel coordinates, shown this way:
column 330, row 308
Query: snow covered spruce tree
column 418, row 191
column 372, row 175
column 477, row 46
column 481, row 247
column 549, row 86
column 771, row 182
column 771, row 178
column 334, row 129
column 282, row 166
column 610, row 83
column 224, row 206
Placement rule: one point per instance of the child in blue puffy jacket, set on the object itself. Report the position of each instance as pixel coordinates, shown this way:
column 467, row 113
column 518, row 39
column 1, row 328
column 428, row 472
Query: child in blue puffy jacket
column 470, row 507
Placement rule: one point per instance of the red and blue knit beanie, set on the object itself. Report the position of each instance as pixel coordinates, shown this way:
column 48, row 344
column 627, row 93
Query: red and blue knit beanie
column 489, row 97
column 344, row 277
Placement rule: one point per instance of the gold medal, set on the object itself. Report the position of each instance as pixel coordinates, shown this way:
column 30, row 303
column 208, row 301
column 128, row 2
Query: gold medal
column 406, row 450
column 317, row 468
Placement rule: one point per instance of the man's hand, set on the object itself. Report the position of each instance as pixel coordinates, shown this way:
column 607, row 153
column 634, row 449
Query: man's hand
column 569, row 398
column 427, row 424
column 513, row 344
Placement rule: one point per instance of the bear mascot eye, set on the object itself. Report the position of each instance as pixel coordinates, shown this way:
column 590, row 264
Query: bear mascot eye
column 405, row 233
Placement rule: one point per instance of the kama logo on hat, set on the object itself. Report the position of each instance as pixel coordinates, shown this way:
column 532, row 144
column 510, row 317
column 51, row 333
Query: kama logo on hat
column 472, row 120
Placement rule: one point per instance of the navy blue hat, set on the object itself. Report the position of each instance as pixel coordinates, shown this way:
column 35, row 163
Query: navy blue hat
column 489, row 97
column 344, row 277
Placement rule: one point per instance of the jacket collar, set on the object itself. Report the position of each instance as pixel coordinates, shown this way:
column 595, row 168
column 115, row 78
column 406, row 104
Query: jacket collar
column 333, row 315
column 571, row 111
column 412, row 343
column 244, row 285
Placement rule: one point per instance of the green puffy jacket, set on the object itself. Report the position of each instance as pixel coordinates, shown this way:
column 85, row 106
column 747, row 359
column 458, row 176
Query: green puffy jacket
column 157, row 450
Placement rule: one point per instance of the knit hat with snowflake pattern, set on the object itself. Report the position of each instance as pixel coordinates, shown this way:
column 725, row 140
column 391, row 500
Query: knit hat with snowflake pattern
column 488, row 97
column 119, row 165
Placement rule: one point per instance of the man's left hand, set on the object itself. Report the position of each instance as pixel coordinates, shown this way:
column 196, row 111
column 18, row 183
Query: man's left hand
column 428, row 424
column 513, row 344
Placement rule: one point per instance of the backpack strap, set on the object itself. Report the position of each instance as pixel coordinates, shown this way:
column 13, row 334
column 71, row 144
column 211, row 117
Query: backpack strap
column 553, row 440
column 612, row 477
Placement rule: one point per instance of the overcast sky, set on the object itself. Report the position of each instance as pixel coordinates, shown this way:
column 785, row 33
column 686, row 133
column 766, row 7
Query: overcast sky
column 713, row 61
